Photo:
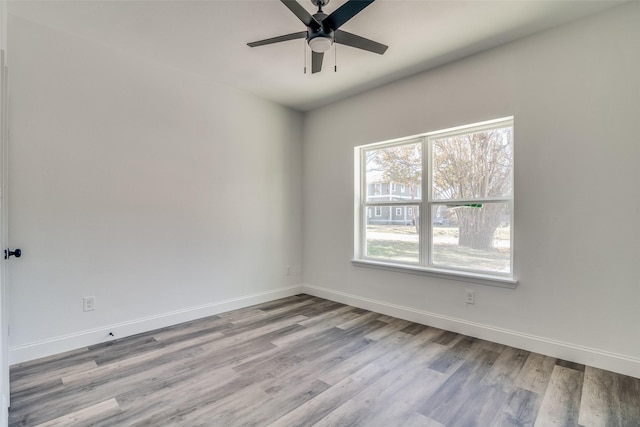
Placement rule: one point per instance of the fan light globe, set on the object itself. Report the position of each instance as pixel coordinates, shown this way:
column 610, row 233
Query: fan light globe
column 320, row 44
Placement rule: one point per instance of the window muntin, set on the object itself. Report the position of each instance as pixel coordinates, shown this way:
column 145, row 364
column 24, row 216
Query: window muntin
column 468, row 224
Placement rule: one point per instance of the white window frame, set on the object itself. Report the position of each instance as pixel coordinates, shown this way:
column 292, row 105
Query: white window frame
column 425, row 265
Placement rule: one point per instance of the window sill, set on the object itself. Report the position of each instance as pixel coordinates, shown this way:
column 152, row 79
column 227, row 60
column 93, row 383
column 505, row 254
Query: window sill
column 482, row 279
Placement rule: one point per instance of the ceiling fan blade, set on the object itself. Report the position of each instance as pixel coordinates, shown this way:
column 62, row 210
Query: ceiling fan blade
column 353, row 40
column 316, row 62
column 344, row 13
column 302, row 14
column 292, row 36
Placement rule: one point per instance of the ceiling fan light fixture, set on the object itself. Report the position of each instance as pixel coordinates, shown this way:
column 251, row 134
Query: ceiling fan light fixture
column 324, row 30
column 320, row 44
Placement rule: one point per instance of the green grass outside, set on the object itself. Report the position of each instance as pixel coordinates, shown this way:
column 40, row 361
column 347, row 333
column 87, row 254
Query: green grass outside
column 394, row 243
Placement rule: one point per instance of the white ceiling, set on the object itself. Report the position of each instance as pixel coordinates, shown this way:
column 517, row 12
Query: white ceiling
column 209, row 38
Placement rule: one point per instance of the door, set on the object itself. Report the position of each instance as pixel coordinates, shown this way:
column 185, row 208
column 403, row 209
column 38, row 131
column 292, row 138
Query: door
column 4, row 135
column 4, row 328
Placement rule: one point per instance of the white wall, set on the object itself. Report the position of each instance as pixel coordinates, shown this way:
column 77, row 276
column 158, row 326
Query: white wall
column 575, row 95
column 165, row 197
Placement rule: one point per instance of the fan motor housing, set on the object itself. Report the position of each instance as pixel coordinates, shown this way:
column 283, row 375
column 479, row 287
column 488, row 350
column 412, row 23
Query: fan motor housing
column 319, row 16
column 325, row 33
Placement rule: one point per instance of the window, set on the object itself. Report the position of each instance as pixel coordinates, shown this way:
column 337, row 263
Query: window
column 463, row 223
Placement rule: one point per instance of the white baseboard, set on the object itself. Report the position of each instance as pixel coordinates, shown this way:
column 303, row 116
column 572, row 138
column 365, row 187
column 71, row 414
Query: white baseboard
column 602, row 359
column 35, row 350
column 4, row 418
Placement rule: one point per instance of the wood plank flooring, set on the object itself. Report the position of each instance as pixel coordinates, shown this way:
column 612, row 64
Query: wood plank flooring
column 303, row 361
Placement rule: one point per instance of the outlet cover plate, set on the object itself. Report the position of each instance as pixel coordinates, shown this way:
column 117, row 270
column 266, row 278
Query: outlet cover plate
column 471, row 297
column 88, row 303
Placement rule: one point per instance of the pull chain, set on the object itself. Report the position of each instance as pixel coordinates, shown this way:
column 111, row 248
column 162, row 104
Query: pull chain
column 305, row 55
column 335, row 57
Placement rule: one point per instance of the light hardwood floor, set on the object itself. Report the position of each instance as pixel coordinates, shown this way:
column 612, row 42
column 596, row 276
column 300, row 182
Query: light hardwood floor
column 307, row 361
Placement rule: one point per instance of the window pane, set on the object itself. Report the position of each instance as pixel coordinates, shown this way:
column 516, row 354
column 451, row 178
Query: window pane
column 390, row 166
column 472, row 236
column 393, row 235
column 474, row 165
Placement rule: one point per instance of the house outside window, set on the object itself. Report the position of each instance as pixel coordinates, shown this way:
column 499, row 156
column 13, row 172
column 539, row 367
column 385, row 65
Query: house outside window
column 457, row 213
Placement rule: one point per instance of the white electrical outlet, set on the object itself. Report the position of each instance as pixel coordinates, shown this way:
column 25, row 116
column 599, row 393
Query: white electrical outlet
column 471, row 297
column 88, row 303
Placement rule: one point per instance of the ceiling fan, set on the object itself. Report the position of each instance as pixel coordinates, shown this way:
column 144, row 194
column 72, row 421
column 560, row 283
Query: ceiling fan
column 323, row 30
